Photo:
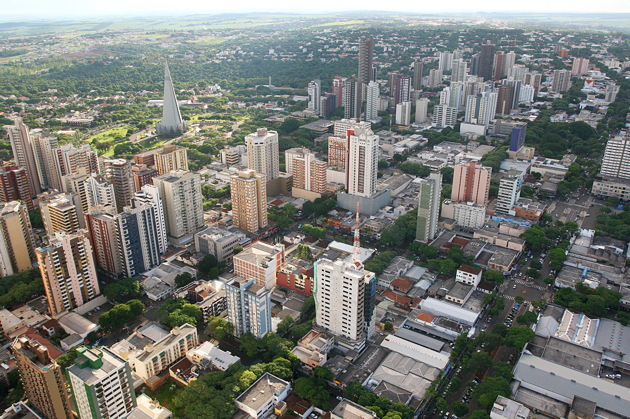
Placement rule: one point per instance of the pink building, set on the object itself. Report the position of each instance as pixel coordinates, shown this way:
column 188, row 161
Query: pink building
column 580, row 66
column 471, row 183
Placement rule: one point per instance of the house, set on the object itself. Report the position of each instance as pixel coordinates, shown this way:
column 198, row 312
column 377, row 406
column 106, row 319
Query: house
column 261, row 397
column 469, row 275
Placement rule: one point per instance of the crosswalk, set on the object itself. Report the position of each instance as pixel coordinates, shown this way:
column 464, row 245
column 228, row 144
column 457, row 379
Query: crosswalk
column 521, row 282
column 508, row 297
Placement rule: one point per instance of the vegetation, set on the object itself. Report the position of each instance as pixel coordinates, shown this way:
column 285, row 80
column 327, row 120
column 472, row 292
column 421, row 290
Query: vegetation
column 593, row 302
column 379, row 262
column 177, row 312
column 315, row 232
column 121, row 315
column 122, row 291
column 219, row 328
column 314, row 388
column 282, row 215
column 20, row 288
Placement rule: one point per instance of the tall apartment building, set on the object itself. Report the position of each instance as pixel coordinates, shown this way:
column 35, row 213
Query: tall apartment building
column 260, row 262
column 418, row 68
column 497, row 68
column 429, row 207
column 465, row 214
column 445, row 60
column 444, row 116
column 142, row 175
column 481, row 108
column 362, row 162
column 338, row 89
column 230, row 156
column 486, row 62
column 342, row 290
column 403, row 113
column 561, row 79
column 118, row 173
column 60, row 214
column 249, row 201
column 68, row 270
column 517, row 72
column 150, row 195
column 14, row 185
column 263, row 153
column 24, row 156
column 353, row 98
column 44, row 147
column 102, row 225
column 509, row 61
column 517, row 140
column 171, row 157
column 580, row 66
column 400, row 88
column 372, row 100
column 70, row 159
column 314, row 91
column 17, row 244
column 341, row 127
column 96, row 190
column 308, row 172
column 366, row 59
column 459, row 71
column 180, row 192
column 101, row 384
column 337, row 153
column 471, row 183
column 509, row 190
column 42, row 379
column 435, row 78
column 422, row 107
column 248, row 307
column 610, row 92
column 505, row 99
column 218, row 242
column 533, row 79
column 616, row 161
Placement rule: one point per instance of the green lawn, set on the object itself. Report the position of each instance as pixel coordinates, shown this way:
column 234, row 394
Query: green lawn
column 114, row 136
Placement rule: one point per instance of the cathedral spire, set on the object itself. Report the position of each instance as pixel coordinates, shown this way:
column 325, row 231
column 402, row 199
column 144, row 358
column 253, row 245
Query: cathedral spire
column 171, row 123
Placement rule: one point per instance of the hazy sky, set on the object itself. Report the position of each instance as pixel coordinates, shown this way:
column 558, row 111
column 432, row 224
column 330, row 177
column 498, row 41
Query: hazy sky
column 73, row 8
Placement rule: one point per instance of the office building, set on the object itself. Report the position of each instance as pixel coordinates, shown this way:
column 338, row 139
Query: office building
column 486, row 62
column 338, row 89
column 15, row 186
column 171, row 124
column 422, row 107
column 261, row 262
column 418, row 68
column 372, row 101
column 580, row 66
column 341, row 292
column 308, row 172
column 101, row 384
column 428, row 207
column 616, row 161
column 24, row 156
column 435, row 78
column 481, row 108
column 314, row 91
column 263, row 153
column 171, row 157
column 97, row 191
column 444, row 116
column 44, row 147
column 68, row 270
column 505, row 99
column 218, row 242
column 471, row 183
column 337, row 153
column 142, row 175
column 366, row 59
column 509, row 190
column 150, row 195
column 460, row 71
column 182, row 201
column 445, row 60
column 517, row 140
column 469, row 275
column 249, row 307
column 403, row 113
column 353, row 98
column 118, row 173
column 16, row 239
column 42, row 379
column 61, row 215
column 362, row 162
column 249, row 201
column 102, row 224
column 561, row 79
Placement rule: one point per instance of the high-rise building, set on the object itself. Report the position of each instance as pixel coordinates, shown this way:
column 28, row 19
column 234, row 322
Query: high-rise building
column 372, row 101
column 341, row 291
column 561, row 79
column 14, row 185
column 505, row 99
column 248, row 307
column 533, row 79
column 101, row 384
column 60, row 214
column 249, row 201
column 509, row 61
column 261, row 262
column 497, row 67
column 366, row 59
column 42, row 379
column 337, row 153
column 118, row 173
column 400, row 87
column 353, row 98
column 170, row 158
column 516, row 91
column 429, row 207
column 435, row 78
column 16, row 239
column 481, row 108
column 24, row 155
column 150, row 195
column 44, row 147
column 341, row 127
column 328, row 104
column 403, row 113
column 180, row 192
column 338, row 89
column 445, row 60
column 580, row 66
column 308, row 172
column 517, row 140
column 460, row 70
column 616, row 161
column 263, row 152
column 70, row 159
column 471, row 183
column 142, row 175
column 362, row 162
column 509, row 190
column 517, row 72
column 97, row 191
column 171, row 123
column 422, row 107
column 102, row 225
column 486, row 61
column 465, row 214
column 314, row 91
column 418, row 68
column 610, row 92
column 68, row 270
column 444, row 116
column 526, row 94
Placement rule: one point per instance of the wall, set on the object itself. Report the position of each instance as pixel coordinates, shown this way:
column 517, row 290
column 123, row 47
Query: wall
column 91, row 305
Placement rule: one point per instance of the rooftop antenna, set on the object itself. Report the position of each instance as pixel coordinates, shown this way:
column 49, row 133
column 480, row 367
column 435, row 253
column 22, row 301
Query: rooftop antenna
column 356, row 250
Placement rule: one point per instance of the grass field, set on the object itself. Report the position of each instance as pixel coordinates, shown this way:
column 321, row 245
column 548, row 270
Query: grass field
column 114, row 136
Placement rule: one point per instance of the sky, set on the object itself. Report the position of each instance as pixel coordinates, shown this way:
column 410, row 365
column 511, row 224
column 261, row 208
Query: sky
column 130, row 8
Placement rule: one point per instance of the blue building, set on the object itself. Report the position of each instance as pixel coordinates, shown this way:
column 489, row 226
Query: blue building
column 138, row 238
column 249, row 307
column 518, row 136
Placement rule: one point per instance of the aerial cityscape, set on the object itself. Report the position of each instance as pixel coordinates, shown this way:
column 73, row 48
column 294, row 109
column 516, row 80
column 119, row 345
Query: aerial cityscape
column 353, row 215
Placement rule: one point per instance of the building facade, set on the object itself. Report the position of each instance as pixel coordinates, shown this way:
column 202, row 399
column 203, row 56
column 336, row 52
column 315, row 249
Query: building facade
column 101, row 223
column 308, row 172
column 249, row 307
column 616, row 161
column 263, row 153
column 429, row 207
column 182, row 201
column 249, row 201
column 218, row 242
column 471, row 183
column 17, row 244
column 261, row 262
column 118, row 173
column 362, row 162
column 171, row 158
column 15, row 186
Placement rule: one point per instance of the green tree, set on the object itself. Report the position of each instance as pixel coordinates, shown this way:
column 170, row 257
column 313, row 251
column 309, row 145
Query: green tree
column 503, row 370
column 518, row 337
column 219, row 328
column 479, row 414
column 527, row 319
column 208, row 262
column 284, row 325
column 460, row 408
column 184, row 278
column 480, row 361
column 486, row 393
column 496, row 277
column 535, row 264
column 388, row 325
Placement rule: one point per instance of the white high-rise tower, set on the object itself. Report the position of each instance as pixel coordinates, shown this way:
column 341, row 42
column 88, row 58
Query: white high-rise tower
column 362, row 166
column 171, row 123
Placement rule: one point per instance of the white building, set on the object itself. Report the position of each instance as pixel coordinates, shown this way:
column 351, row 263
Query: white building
column 505, row 408
column 314, row 95
column 372, row 101
column 509, row 190
column 171, row 123
column 480, row 108
column 469, row 275
column 403, row 113
column 616, row 162
column 341, row 127
column 261, row 397
column 444, row 116
column 99, row 191
column 428, row 207
column 150, row 195
column 263, row 153
column 422, row 106
column 460, row 70
column 208, row 351
column 180, row 192
column 363, row 162
column 249, row 307
column 466, row 214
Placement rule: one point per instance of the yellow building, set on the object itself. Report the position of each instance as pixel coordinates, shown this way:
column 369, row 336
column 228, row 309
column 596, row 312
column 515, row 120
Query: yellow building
column 16, row 239
column 249, row 201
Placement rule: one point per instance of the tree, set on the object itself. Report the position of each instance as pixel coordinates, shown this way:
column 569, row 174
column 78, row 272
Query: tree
column 284, row 325
column 219, row 328
column 479, row 414
column 500, row 329
column 238, row 249
column 533, row 273
column 441, row 405
column 518, row 299
column 494, row 277
column 136, row 307
column 208, row 262
column 527, row 319
column 535, row 264
column 480, row 361
column 491, row 387
column 382, row 164
column 503, row 370
column 517, row 337
column 184, row 278
column 388, row 325
column 460, row 409
column 35, row 217
column 536, row 237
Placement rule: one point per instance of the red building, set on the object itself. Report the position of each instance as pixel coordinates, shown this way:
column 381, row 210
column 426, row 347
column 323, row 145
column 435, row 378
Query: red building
column 297, row 275
column 14, row 185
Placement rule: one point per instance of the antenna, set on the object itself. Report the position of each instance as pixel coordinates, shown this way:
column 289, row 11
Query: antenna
column 356, row 251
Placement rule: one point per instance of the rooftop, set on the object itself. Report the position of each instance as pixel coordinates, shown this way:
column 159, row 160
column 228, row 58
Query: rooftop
column 350, row 410
column 257, row 395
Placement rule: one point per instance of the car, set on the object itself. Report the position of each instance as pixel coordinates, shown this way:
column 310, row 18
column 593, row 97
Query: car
column 617, row 376
column 514, row 287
